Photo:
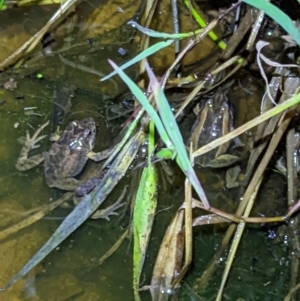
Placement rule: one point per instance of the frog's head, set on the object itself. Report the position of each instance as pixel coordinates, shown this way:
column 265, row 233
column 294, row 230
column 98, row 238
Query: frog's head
column 81, row 134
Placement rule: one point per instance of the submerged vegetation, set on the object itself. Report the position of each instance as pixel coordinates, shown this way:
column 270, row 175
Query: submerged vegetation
column 184, row 123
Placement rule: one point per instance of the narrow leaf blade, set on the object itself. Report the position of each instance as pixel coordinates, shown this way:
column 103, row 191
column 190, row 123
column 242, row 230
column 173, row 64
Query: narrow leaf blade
column 144, row 102
column 163, row 35
column 147, row 52
column 278, row 15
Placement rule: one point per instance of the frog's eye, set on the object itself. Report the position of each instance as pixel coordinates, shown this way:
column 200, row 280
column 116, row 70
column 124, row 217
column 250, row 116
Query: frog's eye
column 71, row 126
column 86, row 132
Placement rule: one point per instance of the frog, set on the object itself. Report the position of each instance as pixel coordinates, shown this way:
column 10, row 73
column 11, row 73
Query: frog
column 214, row 120
column 67, row 155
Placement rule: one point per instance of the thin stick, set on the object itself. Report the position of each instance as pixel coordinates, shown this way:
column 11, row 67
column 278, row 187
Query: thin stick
column 236, row 241
column 35, row 217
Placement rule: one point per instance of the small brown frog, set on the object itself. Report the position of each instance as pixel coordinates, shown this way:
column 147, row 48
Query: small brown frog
column 66, row 159
column 214, row 120
column 67, row 155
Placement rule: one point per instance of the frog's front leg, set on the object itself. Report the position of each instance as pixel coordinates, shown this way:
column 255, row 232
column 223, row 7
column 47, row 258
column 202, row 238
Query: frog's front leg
column 25, row 163
column 56, row 135
column 99, row 156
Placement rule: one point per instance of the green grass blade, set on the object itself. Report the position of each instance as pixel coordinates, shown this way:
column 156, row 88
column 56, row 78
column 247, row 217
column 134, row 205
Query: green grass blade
column 278, row 15
column 143, row 214
column 164, row 35
column 203, row 24
column 147, row 52
column 125, row 137
column 165, row 154
column 144, row 102
column 173, row 131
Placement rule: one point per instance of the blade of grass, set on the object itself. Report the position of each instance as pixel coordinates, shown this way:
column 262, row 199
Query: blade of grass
column 278, row 15
column 147, row 52
column 125, row 138
column 203, row 24
column 144, row 102
column 143, row 216
column 236, row 242
column 173, row 131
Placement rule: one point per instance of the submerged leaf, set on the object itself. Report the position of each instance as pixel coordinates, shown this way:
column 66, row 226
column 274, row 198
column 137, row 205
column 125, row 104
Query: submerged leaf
column 224, row 160
column 169, row 259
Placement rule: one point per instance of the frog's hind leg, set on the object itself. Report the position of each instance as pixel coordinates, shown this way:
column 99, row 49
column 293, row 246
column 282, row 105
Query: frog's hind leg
column 99, row 156
column 25, row 163
column 68, row 184
column 90, row 184
column 54, row 179
column 28, row 163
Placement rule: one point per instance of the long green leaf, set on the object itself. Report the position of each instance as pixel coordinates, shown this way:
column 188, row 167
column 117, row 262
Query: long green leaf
column 173, row 131
column 147, row 52
column 198, row 18
column 143, row 214
column 140, row 96
column 278, row 15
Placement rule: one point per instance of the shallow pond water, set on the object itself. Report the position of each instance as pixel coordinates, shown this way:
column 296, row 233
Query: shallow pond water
column 261, row 269
column 68, row 273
